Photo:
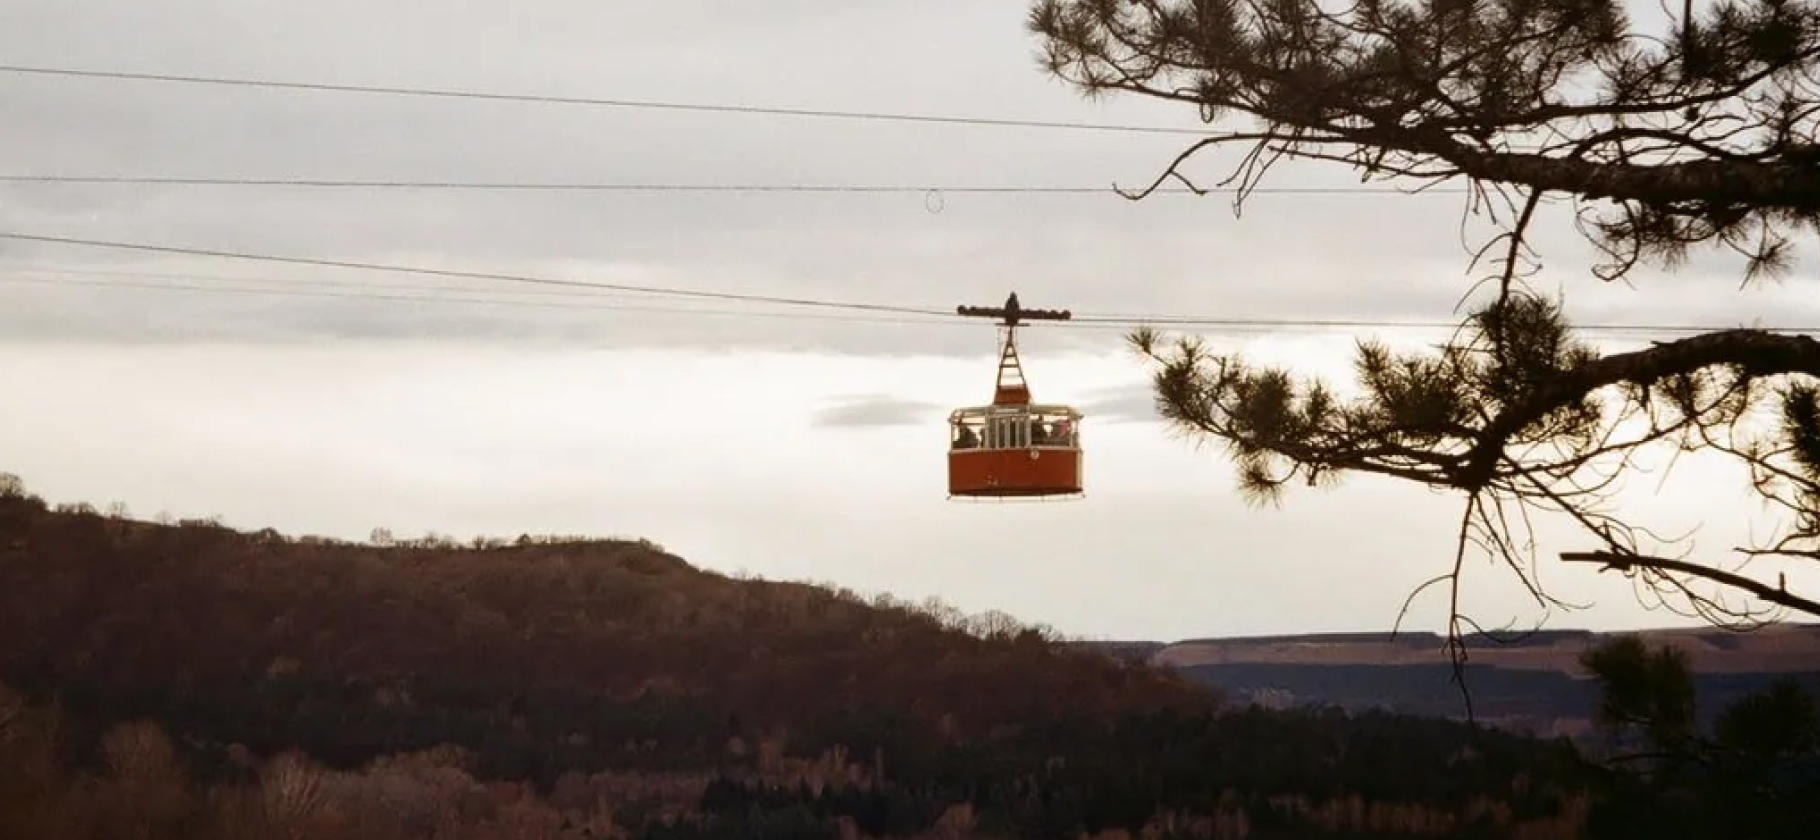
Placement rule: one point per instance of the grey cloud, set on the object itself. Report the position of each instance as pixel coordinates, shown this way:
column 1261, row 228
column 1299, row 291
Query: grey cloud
column 1122, row 404
column 1289, row 256
column 877, row 412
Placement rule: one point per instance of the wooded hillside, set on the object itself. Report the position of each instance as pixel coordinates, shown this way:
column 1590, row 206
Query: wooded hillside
column 609, row 681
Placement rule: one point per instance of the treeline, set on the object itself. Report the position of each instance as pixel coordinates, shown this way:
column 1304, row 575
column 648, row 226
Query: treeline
column 134, row 782
column 11, row 486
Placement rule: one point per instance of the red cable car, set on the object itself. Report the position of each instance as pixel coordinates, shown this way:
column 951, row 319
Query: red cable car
column 1013, row 448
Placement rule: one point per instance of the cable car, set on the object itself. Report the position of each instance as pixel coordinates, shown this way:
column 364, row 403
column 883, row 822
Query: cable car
column 1014, row 448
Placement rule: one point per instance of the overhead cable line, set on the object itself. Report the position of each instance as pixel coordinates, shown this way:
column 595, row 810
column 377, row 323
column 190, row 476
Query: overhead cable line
column 303, row 290
column 357, row 292
column 352, row 290
column 1372, row 323
column 473, row 275
column 549, row 99
column 933, row 314
column 599, row 186
column 424, row 287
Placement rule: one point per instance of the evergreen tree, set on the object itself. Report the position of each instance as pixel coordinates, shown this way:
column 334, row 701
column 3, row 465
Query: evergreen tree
column 1703, row 135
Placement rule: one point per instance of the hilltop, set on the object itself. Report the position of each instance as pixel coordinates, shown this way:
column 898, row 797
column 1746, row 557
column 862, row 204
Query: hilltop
column 227, row 683
column 135, row 618
column 1776, row 648
column 1533, row 682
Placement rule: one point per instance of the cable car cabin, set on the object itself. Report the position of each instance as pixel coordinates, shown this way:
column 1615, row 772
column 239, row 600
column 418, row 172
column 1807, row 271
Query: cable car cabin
column 1014, row 451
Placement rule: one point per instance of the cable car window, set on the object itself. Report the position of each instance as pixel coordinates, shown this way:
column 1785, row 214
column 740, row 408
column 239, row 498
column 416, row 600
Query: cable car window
column 1014, row 432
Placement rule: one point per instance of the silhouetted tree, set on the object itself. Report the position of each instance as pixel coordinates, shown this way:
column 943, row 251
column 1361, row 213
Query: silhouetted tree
column 1756, row 774
column 1702, row 135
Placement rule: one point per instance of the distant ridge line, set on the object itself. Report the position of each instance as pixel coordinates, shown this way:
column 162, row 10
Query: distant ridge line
column 1513, row 639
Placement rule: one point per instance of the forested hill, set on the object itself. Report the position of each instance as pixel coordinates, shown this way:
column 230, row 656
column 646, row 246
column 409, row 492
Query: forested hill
column 608, row 686
column 181, row 619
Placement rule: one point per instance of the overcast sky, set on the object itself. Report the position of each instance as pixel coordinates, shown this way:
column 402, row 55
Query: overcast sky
column 794, row 447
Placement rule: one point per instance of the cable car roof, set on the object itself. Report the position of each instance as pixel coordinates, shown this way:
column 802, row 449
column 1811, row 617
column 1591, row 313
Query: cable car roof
column 1014, row 411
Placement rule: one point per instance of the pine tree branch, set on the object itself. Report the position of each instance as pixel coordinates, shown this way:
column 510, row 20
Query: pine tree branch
column 1627, row 562
column 1757, row 352
column 1788, row 185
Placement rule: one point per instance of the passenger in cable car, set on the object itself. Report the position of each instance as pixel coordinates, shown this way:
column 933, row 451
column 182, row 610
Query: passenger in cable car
column 967, row 439
column 1062, row 432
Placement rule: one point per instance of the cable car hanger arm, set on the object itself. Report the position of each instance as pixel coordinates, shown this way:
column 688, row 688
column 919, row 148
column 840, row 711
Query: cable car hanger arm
column 1011, row 314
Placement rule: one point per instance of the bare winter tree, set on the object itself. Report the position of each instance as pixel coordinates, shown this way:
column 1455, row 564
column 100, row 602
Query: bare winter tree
column 1701, row 136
